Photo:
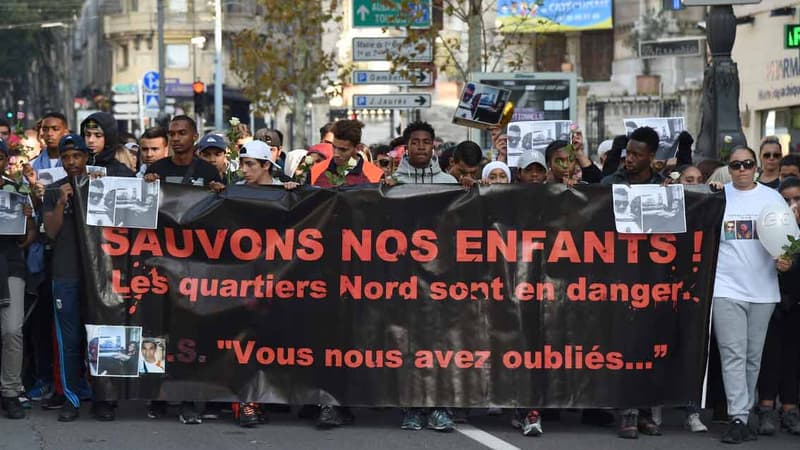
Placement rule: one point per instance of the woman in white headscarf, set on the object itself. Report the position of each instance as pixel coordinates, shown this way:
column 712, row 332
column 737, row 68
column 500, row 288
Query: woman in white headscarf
column 496, row 172
column 293, row 160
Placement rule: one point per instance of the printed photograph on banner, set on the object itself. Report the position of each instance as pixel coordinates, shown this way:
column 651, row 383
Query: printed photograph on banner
column 50, row 176
column 627, row 210
column 153, row 358
column 663, row 208
column 100, row 210
column 96, row 169
column 668, row 129
column 12, row 219
column 118, row 350
column 92, row 347
column 123, row 202
column 480, row 105
column 649, row 209
column 534, row 135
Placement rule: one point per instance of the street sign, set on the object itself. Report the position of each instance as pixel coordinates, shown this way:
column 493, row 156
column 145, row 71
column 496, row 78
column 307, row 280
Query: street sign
column 671, row 47
column 150, row 81
column 125, row 98
column 413, row 78
column 179, row 89
column 126, row 116
column 390, row 13
column 124, row 88
column 377, row 49
column 391, row 101
column 791, row 36
column 151, row 101
column 122, row 108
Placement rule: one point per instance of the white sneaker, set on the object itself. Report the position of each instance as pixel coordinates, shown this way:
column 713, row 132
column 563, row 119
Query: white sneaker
column 694, row 424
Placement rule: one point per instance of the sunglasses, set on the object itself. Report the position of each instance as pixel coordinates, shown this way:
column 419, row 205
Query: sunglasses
column 384, row 162
column 771, row 155
column 747, row 164
column 621, row 203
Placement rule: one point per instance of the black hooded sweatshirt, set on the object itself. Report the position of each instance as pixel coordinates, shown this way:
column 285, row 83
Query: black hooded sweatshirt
column 105, row 158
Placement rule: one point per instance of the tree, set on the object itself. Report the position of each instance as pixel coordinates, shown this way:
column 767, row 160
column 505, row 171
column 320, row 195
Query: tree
column 281, row 61
column 489, row 47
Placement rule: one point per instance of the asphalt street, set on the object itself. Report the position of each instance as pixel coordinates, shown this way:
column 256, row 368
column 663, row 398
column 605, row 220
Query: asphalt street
column 373, row 429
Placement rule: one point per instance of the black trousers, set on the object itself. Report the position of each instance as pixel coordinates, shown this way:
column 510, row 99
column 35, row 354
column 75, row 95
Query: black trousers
column 781, row 357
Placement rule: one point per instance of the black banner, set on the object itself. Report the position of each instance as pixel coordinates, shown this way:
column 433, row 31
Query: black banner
column 409, row 296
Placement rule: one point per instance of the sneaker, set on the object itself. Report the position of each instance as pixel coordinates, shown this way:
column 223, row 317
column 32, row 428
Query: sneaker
column 647, row 426
column 628, row 426
column 767, row 421
column 25, row 401
column 532, row 424
column 790, row 421
column 40, row 390
column 737, row 433
column 248, row 415
column 156, row 409
column 56, row 401
column 103, row 411
column 334, row 416
column 413, row 418
column 13, row 408
column 440, row 420
column 68, row 413
column 189, row 415
column 694, row 424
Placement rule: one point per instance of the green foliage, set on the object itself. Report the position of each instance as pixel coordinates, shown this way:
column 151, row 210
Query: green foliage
column 792, row 248
column 282, row 55
column 20, row 32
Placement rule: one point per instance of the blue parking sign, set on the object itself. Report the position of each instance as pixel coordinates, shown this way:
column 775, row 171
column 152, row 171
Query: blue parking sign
column 361, row 101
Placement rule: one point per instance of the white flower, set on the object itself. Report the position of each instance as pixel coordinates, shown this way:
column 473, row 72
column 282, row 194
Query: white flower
column 309, row 160
column 234, row 121
column 675, row 175
column 727, row 139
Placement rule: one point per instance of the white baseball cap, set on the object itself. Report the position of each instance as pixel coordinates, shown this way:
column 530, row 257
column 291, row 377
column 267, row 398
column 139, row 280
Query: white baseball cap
column 531, row 157
column 256, row 150
column 604, row 147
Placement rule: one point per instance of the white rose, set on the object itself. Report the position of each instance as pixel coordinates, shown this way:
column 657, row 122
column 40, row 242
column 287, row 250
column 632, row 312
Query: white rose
column 309, row 160
column 727, row 139
column 234, row 121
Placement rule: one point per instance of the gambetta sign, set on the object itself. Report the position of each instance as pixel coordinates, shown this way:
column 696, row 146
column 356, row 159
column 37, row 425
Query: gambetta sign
column 550, row 16
column 402, row 296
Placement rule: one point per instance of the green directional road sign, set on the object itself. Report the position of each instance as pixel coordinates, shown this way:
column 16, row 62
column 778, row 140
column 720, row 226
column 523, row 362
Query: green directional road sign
column 791, row 36
column 392, row 13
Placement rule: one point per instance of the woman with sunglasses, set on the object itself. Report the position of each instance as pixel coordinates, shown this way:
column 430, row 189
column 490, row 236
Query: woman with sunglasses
column 745, row 292
column 770, row 155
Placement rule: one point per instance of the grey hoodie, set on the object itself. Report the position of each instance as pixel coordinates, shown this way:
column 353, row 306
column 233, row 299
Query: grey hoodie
column 432, row 174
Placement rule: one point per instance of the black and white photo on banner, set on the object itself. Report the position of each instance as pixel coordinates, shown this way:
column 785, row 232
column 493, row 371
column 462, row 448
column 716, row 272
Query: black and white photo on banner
column 12, row 219
column 534, row 136
column 481, row 105
column 53, row 174
column 668, row 129
column 123, row 202
column 649, row 208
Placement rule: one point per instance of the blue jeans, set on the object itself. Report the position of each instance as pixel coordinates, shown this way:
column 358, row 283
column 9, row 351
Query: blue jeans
column 67, row 304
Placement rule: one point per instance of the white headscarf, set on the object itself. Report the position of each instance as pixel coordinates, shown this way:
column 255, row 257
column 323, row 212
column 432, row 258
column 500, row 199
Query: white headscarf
column 487, row 169
column 293, row 160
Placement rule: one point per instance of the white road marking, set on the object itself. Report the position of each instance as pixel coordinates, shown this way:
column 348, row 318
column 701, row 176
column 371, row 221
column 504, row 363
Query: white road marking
column 484, row 438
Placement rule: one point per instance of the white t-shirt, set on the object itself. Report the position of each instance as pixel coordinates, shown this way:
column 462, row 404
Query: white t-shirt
column 53, row 162
column 745, row 271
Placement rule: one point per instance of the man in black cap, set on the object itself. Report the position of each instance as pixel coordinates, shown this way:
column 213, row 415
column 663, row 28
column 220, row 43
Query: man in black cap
column 213, row 150
column 61, row 226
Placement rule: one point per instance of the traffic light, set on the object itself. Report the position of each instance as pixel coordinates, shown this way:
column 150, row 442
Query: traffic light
column 9, row 115
column 199, row 88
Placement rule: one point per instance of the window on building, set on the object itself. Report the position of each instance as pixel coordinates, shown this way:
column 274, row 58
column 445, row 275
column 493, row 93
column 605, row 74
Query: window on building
column 178, row 6
column 550, row 51
column 597, row 54
column 177, row 56
column 123, row 59
column 133, row 5
column 233, row 6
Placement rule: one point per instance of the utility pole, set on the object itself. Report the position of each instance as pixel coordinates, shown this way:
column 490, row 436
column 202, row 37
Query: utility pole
column 218, row 75
column 162, row 98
